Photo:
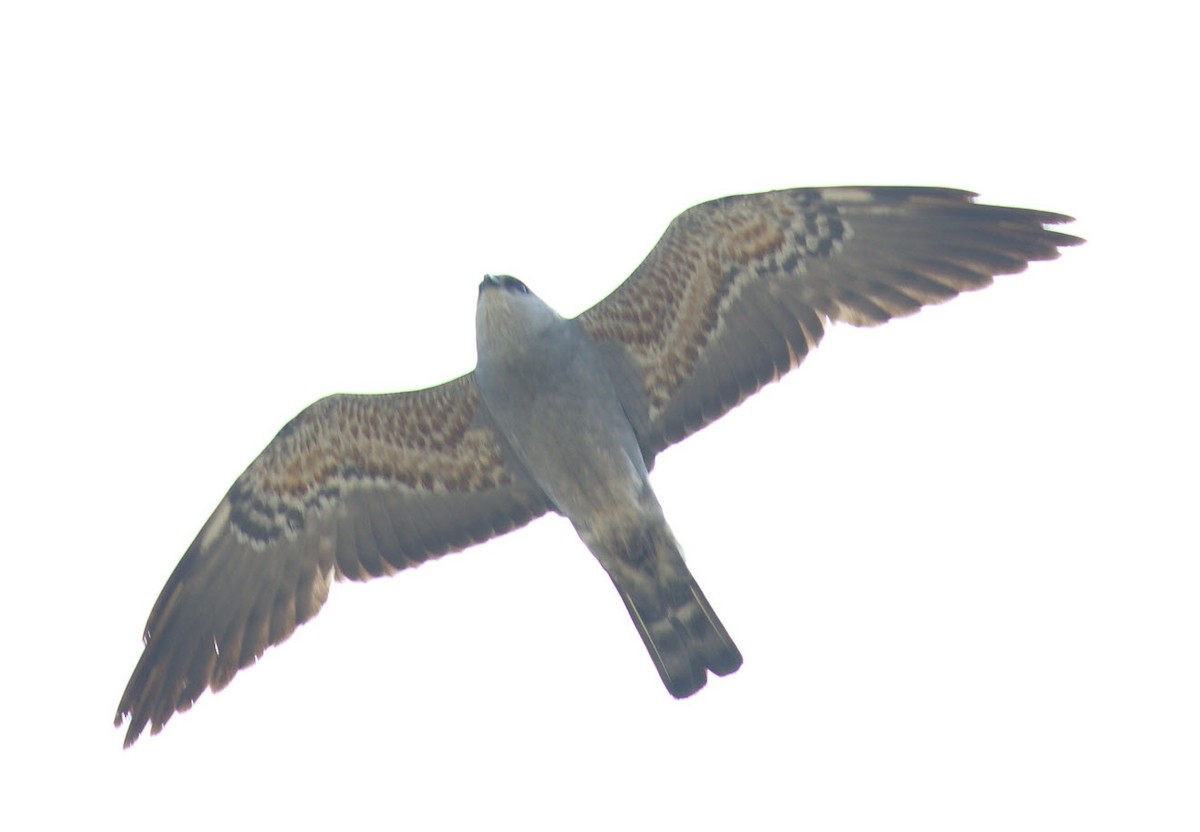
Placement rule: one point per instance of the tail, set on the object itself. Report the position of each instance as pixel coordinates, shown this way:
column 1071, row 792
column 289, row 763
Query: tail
column 682, row 634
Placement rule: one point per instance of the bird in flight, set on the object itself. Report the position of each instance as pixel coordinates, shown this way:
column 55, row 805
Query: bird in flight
column 565, row 415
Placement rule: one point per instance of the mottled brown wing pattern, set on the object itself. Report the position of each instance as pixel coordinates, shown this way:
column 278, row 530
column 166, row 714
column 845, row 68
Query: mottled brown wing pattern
column 354, row 486
column 738, row 290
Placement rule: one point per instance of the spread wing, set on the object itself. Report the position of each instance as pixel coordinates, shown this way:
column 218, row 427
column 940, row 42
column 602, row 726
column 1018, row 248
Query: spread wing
column 356, row 487
column 738, row 290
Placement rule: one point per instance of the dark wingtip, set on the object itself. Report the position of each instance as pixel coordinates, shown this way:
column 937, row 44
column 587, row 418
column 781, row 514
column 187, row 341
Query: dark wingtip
column 132, row 733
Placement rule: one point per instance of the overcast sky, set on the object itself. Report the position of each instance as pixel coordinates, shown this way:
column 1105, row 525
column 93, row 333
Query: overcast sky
column 958, row 552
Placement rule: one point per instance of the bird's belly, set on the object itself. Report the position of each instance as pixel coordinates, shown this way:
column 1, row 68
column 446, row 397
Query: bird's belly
column 585, row 458
column 559, row 412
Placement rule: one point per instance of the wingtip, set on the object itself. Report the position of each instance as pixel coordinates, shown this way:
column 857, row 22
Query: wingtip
column 135, row 728
column 132, row 732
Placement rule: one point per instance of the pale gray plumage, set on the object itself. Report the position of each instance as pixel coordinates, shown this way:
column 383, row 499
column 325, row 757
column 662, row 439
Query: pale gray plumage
column 555, row 403
column 565, row 415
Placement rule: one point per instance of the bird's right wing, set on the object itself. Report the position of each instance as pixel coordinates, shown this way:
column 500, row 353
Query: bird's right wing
column 354, row 486
column 738, row 290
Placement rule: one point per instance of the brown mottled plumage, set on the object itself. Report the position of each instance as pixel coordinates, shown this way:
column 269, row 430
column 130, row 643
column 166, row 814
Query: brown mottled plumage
column 353, row 487
column 735, row 294
column 738, row 290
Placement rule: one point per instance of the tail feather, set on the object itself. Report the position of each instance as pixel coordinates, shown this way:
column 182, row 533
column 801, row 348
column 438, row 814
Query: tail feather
column 682, row 634
column 709, row 639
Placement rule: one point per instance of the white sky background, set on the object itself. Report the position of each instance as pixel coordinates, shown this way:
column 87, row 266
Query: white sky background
column 958, row 552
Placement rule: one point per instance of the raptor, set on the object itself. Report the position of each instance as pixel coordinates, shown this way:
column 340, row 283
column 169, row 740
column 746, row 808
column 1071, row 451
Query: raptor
column 566, row 415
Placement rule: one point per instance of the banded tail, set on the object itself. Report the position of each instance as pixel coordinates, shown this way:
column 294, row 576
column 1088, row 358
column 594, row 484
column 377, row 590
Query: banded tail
column 682, row 634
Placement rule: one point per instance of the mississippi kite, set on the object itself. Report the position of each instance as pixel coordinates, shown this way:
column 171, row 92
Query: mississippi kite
column 565, row 415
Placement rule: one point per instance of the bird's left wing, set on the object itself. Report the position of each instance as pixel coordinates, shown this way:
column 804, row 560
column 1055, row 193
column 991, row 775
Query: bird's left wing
column 354, row 486
column 738, row 290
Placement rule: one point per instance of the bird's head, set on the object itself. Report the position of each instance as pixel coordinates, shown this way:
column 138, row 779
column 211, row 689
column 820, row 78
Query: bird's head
column 509, row 314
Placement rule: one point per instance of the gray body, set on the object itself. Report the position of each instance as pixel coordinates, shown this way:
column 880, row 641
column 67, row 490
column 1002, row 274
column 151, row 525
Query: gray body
column 553, row 399
column 547, row 390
